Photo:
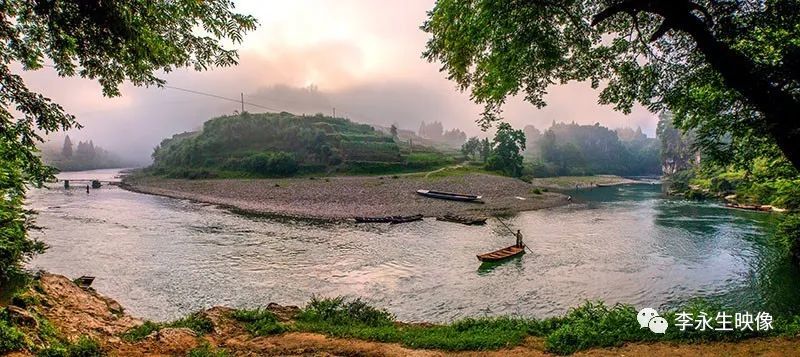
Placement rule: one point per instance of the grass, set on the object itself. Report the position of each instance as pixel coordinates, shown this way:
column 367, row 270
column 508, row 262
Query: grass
column 259, row 322
column 196, row 322
column 591, row 325
column 11, row 338
column 206, row 350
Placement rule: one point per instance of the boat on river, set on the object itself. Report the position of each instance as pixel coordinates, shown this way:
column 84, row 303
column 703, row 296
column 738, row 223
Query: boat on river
column 470, row 221
column 389, row 219
column 502, row 254
column 449, row 196
column 608, row 184
column 761, row 208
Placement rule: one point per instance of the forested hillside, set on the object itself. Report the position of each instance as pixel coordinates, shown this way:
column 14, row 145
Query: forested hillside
column 573, row 149
column 285, row 144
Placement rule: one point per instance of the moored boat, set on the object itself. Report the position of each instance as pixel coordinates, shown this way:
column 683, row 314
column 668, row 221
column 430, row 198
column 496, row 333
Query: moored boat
column 607, row 184
column 761, row 208
column 389, row 219
column 404, row 219
column 449, row 195
column 470, row 221
column 502, row 254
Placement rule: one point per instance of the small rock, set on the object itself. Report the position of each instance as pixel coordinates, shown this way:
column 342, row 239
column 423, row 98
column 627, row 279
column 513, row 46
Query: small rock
column 21, row 317
column 283, row 313
column 174, row 337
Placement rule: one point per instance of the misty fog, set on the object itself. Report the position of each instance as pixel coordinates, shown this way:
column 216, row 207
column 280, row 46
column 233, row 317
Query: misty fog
column 310, row 57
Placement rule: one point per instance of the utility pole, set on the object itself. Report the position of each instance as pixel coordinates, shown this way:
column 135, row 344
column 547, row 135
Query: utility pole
column 242, row 102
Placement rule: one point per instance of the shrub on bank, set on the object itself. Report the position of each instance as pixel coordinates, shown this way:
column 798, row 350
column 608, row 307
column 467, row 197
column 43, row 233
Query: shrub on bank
column 789, row 235
column 196, row 322
column 206, row 350
column 588, row 326
column 259, row 322
column 11, row 338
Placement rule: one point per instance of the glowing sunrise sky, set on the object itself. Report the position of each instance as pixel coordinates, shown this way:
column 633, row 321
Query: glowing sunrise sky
column 364, row 58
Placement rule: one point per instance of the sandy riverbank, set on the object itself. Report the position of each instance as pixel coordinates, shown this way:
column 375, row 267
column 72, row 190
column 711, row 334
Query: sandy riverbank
column 73, row 312
column 355, row 196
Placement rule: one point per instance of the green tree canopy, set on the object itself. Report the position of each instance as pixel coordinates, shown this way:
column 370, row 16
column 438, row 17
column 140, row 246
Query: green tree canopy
column 507, row 150
column 109, row 41
column 471, row 147
column 728, row 69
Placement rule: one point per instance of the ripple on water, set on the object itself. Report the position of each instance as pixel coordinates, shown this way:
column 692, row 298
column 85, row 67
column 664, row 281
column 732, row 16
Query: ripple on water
column 162, row 258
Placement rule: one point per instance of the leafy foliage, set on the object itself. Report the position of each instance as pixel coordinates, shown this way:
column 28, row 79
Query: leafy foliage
column 259, row 322
column 726, row 69
column 206, row 350
column 283, row 144
column 788, row 234
column 196, row 322
column 507, row 150
column 11, row 338
column 572, row 149
column 108, row 41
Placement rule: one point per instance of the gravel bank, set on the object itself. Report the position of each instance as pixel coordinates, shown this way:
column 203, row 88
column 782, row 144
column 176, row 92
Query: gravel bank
column 358, row 196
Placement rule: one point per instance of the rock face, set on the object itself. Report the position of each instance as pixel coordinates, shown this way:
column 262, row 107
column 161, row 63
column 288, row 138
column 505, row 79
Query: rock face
column 173, row 340
column 22, row 317
column 76, row 311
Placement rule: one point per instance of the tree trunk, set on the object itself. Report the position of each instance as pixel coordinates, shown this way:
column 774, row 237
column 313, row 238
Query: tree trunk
column 780, row 109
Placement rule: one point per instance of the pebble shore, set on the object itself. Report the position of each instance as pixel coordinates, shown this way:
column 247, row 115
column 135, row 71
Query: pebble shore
column 344, row 197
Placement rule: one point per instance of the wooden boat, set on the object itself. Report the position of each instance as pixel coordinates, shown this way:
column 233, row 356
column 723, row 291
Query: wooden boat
column 448, row 195
column 405, row 219
column 502, row 254
column 386, row 219
column 470, row 221
column 607, row 184
column 764, row 208
column 389, row 219
column 84, row 281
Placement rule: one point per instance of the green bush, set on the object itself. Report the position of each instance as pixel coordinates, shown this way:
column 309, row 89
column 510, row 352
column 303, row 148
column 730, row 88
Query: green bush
column 192, row 174
column 270, row 164
column 196, row 322
column 206, row 350
column 84, row 347
column 340, row 311
column 259, row 322
column 788, row 234
column 11, row 338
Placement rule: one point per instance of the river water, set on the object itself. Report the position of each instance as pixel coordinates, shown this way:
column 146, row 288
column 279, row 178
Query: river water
column 162, row 258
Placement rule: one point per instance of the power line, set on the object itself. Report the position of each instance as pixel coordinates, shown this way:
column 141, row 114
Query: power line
column 234, row 100
column 222, row 97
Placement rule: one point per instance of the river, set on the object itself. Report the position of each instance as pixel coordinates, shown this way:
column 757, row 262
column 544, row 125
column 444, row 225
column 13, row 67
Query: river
column 162, row 257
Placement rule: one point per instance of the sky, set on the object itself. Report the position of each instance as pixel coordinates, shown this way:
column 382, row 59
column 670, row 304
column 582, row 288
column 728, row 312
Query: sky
column 361, row 57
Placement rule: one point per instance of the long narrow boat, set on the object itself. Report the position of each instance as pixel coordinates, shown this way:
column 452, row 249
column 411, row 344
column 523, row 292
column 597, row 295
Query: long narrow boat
column 505, row 253
column 761, row 208
column 405, row 219
column 470, row 221
column 448, row 195
column 389, row 219
column 608, row 184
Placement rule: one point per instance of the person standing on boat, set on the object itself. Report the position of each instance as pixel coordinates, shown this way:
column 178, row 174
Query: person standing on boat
column 519, row 238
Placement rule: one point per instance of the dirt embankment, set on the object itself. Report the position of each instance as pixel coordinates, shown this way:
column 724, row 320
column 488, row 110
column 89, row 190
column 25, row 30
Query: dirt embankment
column 358, row 196
column 77, row 312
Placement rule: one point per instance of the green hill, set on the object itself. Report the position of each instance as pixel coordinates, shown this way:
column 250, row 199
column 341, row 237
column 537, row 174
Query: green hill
column 284, row 144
